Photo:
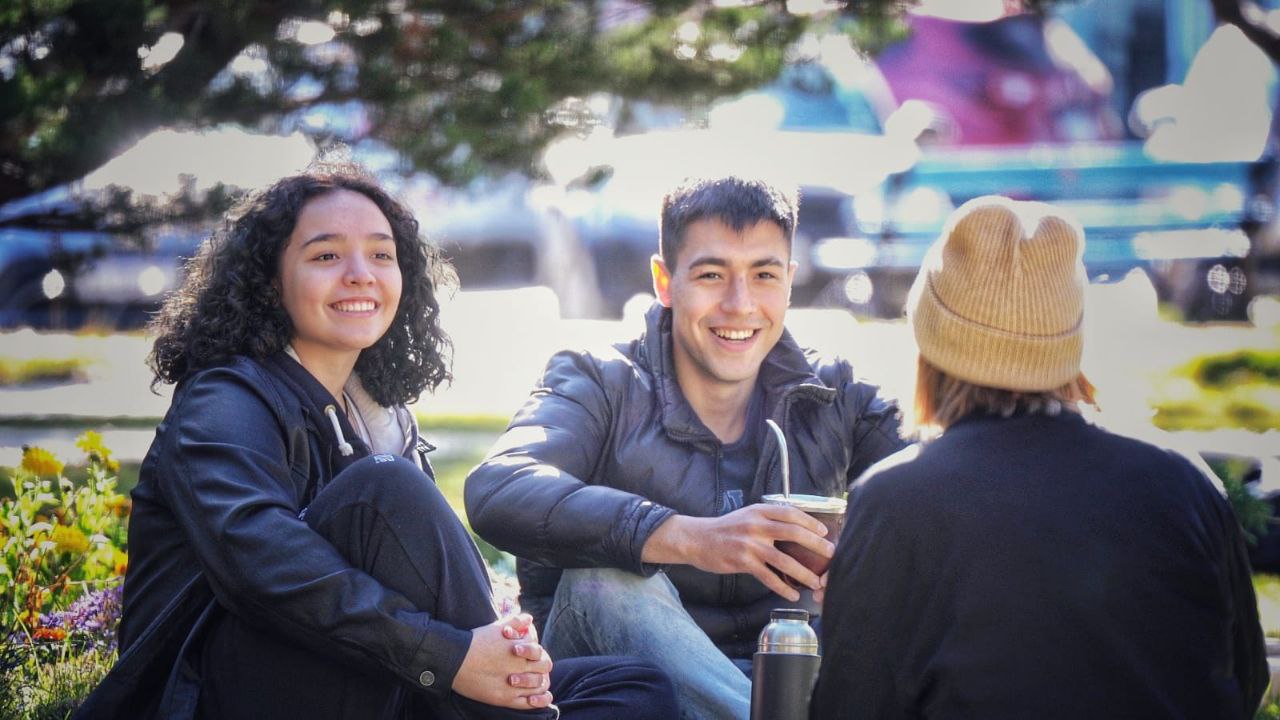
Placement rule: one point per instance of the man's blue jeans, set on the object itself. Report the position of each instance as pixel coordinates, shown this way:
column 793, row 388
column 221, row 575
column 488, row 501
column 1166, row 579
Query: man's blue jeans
column 614, row 612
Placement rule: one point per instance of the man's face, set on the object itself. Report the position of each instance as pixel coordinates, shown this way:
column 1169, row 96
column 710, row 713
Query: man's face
column 728, row 296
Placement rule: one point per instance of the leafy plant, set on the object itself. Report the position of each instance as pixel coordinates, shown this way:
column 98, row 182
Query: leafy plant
column 63, row 547
column 1254, row 513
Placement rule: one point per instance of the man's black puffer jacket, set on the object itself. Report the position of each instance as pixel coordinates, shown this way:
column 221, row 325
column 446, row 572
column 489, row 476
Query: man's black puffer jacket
column 607, row 448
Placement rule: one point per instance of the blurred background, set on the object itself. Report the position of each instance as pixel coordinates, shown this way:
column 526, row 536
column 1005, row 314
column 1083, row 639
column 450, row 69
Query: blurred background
column 534, row 141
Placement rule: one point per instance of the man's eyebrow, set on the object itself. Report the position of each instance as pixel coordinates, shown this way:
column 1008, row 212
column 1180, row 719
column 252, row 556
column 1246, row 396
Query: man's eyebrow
column 709, row 260
column 771, row 261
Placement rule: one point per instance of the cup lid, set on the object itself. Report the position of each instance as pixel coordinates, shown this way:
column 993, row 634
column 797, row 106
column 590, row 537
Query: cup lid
column 808, row 503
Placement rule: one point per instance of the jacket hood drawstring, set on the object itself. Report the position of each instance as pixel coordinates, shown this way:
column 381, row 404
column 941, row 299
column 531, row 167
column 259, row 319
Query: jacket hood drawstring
column 344, row 447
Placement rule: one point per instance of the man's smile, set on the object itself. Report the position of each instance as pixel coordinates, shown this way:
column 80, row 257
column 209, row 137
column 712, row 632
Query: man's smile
column 734, row 335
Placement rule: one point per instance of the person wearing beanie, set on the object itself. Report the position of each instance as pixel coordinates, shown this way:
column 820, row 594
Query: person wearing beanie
column 1021, row 562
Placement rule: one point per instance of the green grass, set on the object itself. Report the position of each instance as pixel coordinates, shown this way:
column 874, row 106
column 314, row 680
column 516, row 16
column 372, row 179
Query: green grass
column 450, row 478
column 494, row 424
column 25, row 371
column 56, row 689
column 1267, row 588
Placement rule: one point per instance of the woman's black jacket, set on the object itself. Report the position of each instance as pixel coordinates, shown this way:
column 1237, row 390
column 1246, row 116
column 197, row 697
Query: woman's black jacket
column 216, row 528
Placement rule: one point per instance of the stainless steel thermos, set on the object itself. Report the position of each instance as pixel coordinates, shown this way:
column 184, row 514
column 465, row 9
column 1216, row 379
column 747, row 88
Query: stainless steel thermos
column 785, row 667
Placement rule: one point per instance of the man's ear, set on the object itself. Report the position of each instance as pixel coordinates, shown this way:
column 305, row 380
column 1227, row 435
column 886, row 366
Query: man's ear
column 661, row 280
column 791, row 278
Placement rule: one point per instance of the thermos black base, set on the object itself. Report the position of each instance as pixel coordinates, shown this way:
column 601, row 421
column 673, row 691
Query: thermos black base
column 781, row 684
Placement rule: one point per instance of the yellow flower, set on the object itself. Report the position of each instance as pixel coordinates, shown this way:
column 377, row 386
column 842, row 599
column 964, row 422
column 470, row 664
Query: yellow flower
column 38, row 461
column 119, row 505
column 70, row 540
column 91, row 443
column 121, row 562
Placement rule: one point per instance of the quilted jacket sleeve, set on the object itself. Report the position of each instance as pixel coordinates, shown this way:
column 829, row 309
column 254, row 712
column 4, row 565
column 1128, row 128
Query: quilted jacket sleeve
column 874, row 420
column 535, row 496
column 229, row 486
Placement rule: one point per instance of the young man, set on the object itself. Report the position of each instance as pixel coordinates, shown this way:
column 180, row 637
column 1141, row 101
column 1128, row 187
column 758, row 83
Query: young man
column 643, row 464
column 1025, row 563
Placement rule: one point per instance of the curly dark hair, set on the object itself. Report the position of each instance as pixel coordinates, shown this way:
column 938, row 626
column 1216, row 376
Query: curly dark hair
column 230, row 305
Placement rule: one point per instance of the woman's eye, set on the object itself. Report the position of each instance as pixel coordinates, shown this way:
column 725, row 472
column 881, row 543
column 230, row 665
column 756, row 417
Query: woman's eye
column 327, row 256
column 385, row 256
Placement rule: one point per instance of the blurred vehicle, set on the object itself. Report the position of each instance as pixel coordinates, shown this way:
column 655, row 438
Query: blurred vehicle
column 1020, row 79
column 615, row 200
column 503, row 234
column 103, row 251
column 828, row 128
column 1183, row 223
column 70, row 258
column 1203, row 119
column 58, row 270
column 838, row 95
column 1018, row 107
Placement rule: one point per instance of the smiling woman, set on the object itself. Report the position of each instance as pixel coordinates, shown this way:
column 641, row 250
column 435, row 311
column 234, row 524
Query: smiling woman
column 339, row 283
column 291, row 553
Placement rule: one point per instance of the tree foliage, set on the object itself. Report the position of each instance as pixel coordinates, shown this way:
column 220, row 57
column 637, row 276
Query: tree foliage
column 458, row 87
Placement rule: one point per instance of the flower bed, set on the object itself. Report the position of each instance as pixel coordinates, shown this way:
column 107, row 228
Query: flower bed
column 64, row 558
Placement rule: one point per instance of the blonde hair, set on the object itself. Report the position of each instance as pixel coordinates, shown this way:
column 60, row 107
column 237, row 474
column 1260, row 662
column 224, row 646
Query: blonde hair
column 942, row 399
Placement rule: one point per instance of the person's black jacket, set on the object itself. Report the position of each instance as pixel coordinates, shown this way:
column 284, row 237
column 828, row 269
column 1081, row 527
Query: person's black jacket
column 1039, row 567
column 607, row 448
column 216, row 528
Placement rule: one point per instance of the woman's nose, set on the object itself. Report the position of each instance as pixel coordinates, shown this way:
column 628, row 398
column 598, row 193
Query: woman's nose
column 358, row 272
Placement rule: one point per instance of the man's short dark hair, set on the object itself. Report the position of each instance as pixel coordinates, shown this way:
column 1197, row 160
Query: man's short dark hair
column 735, row 201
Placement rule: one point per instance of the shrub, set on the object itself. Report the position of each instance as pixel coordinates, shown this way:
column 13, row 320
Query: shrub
column 14, row 371
column 1229, row 390
column 1237, row 368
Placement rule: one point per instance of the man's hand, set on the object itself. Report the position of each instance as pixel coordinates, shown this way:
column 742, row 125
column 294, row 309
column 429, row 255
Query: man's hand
column 742, row 542
column 505, row 666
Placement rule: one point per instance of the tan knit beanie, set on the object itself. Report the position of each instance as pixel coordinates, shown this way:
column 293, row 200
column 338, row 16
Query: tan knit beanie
column 999, row 300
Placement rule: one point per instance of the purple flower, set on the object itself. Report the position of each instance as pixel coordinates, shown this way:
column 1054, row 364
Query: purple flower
column 91, row 620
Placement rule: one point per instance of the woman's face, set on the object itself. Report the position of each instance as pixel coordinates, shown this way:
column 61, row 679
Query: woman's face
column 339, row 278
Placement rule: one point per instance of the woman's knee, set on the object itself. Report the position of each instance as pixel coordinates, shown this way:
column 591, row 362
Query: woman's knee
column 389, row 483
